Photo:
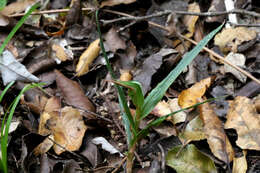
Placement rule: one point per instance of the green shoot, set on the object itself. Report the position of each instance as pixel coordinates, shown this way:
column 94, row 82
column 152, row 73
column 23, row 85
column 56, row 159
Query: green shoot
column 145, row 105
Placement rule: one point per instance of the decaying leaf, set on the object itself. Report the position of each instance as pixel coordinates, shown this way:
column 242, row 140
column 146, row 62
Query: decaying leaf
column 149, row 67
column 243, row 117
column 45, row 146
column 125, row 75
column 218, row 141
column 163, row 108
column 240, row 164
column 239, row 60
column 106, row 145
column 87, row 58
column 17, row 7
column 189, row 160
column 68, row 129
column 52, row 105
column 194, row 130
column 190, row 21
column 12, row 70
column 230, row 38
column 189, row 96
column 115, row 2
column 174, row 106
column 113, row 40
column 73, row 94
column 60, row 53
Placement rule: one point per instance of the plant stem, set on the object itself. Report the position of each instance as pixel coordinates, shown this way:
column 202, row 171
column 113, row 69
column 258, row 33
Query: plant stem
column 130, row 158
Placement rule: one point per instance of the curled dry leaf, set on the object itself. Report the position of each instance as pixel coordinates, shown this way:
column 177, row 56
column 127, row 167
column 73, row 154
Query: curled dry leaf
column 218, row 141
column 240, row 164
column 87, row 58
column 45, row 146
column 243, row 117
column 68, row 129
column 66, row 126
column 230, row 38
column 73, row 94
column 239, row 60
column 115, row 2
column 189, row 96
column 52, row 105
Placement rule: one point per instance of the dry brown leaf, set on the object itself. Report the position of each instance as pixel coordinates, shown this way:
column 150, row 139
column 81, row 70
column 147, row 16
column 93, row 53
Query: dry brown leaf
column 189, row 96
column 162, row 108
column 17, row 7
column 52, row 105
column 73, row 94
column 68, row 129
column 44, row 146
column 218, row 141
column 115, row 2
column 174, row 106
column 113, row 41
column 60, row 52
column 125, row 75
column 193, row 131
column 243, row 117
column 240, row 164
column 87, row 58
column 190, row 21
column 230, row 38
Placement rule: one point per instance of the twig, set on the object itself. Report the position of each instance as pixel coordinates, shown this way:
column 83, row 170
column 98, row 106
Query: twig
column 166, row 12
column 121, row 163
column 206, row 49
column 224, row 60
column 50, row 12
column 244, row 24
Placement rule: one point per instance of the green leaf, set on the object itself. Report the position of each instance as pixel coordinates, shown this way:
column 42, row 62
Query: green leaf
column 4, row 132
column 2, row 4
column 135, row 92
column 17, row 26
column 157, row 93
column 125, row 111
column 189, row 160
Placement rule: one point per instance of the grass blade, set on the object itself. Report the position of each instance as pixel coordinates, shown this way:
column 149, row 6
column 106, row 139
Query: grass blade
column 4, row 137
column 5, row 90
column 17, row 26
column 157, row 93
column 126, row 114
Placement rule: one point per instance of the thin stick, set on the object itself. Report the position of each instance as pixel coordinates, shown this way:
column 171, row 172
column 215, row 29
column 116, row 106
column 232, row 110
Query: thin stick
column 206, row 49
column 224, row 60
column 121, row 163
column 167, row 12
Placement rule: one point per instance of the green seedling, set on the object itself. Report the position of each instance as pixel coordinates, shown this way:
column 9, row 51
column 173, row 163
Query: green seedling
column 145, row 105
column 9, row 114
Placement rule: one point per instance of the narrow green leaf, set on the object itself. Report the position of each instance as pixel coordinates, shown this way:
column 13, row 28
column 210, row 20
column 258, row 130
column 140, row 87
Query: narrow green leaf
column 125, row 111
column 5, row 90
column 135, row 92
column 4, row 137
column 2, row 4
column 17, row 26
column 157, row 93
column 189, row 160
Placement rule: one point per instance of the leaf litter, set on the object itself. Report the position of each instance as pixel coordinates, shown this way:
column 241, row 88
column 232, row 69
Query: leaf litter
column 62, row 50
